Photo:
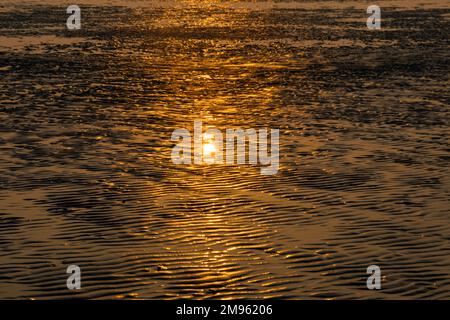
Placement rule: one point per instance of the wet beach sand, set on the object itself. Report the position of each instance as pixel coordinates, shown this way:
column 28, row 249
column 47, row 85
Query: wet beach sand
column 86, row 177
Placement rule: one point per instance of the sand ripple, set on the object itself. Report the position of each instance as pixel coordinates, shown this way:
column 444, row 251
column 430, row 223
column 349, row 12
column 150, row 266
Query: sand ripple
column 86, row 177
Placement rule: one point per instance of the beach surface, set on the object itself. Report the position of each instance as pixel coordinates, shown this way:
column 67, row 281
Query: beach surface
column 86, row 176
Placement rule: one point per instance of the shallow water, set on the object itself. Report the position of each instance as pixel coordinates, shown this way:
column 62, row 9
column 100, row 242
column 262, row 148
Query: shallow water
column 86, row 178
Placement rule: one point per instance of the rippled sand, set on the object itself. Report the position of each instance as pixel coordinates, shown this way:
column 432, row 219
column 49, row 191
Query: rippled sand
column 86, row 177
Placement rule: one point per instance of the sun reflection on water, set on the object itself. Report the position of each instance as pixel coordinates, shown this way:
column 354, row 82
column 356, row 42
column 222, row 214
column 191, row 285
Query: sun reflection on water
column 209, row 148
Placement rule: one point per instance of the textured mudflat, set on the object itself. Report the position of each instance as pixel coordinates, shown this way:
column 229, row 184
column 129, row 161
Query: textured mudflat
column 86, row 177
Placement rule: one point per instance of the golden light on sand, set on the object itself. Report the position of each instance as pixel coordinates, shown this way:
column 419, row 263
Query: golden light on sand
column 209, row 148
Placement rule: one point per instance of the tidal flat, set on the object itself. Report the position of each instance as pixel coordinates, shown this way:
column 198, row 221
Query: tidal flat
column 86, row 177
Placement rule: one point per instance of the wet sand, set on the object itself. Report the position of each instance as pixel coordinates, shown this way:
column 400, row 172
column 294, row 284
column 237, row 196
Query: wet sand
column 86, row 177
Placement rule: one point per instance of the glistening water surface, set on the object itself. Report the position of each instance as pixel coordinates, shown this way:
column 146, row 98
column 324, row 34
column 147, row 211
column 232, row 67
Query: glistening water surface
column 86, row 177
